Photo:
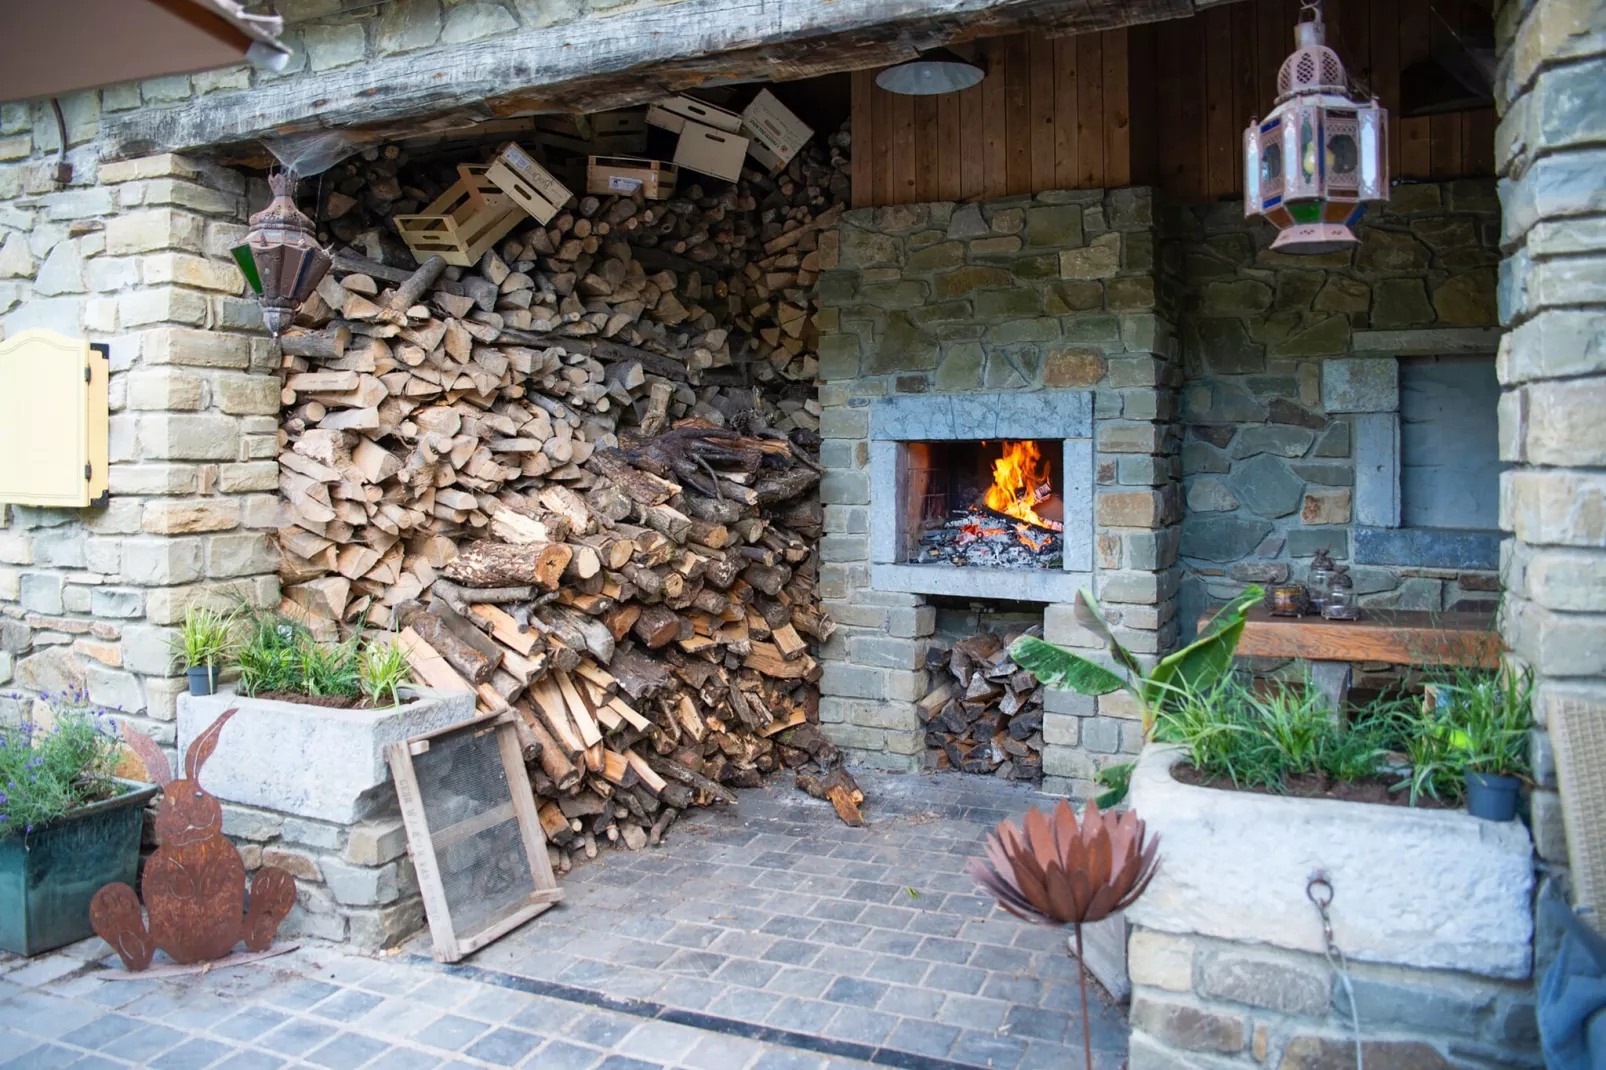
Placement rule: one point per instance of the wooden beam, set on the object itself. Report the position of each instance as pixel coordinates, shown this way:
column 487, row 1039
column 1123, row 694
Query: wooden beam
column 600, row 63
column 1400, row 637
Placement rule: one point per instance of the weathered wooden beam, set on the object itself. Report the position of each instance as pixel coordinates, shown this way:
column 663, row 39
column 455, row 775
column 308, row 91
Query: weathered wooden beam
column 601, row 63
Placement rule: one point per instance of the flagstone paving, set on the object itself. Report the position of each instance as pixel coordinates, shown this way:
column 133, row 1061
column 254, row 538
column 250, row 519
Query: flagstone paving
column 776, row 914
column 767, row 937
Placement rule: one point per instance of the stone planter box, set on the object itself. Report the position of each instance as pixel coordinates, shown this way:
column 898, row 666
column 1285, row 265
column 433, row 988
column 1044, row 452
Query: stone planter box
column 311, row 761
column 1436, row 889
column 1431, row 907
column 307, row 788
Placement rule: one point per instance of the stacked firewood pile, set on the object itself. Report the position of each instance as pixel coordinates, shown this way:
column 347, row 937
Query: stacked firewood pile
column 579, row 479
column 984, row 713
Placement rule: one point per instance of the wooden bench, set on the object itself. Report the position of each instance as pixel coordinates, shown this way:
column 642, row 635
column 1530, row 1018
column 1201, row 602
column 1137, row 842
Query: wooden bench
column 1399, row 637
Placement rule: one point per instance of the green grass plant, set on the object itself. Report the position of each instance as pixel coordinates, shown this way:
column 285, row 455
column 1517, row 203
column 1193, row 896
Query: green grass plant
column 1262, row 737
column 383, row 669
column 206, row 637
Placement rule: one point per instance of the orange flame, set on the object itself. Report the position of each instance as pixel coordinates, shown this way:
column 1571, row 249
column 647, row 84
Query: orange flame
column 1020, row 481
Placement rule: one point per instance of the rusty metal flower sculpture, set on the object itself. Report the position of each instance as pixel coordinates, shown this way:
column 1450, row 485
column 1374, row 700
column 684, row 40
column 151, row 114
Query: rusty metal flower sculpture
column 1059, row 872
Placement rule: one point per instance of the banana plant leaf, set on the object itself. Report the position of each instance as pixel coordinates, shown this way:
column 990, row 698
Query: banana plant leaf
column 1205, row 660
column 1059, row 668
column 1091, row 617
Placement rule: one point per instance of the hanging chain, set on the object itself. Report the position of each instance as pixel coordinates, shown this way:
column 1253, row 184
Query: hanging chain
column 1319, row 890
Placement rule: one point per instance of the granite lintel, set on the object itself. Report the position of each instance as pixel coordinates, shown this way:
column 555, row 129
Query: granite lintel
column 1427, row 342
column 1040, row 414
column 1426, row 547
column 1014, row 585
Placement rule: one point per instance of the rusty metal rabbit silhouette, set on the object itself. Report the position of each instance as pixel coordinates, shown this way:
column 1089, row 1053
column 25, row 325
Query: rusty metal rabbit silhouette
column 195, row 882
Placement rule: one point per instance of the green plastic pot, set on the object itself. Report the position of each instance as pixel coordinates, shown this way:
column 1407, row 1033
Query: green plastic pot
column 48, row 877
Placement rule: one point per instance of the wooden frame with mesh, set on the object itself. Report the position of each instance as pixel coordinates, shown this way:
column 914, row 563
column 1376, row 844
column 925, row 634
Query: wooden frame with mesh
column 473, row 832
column 1578, row 733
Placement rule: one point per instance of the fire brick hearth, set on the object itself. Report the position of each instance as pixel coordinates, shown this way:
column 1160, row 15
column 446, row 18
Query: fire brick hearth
column 999, row 415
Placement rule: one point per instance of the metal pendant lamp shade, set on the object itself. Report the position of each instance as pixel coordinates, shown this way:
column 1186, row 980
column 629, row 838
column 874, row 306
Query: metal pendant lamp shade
column 1311, row 166
column 937, row 71
column 281, row 257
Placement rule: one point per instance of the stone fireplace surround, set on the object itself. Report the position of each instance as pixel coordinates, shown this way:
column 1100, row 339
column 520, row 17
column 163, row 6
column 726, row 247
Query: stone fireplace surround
column 1063, row 415
column 1039, row 317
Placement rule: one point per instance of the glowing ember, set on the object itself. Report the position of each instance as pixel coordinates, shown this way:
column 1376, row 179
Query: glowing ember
column 1036, row 542
column 1020, row 482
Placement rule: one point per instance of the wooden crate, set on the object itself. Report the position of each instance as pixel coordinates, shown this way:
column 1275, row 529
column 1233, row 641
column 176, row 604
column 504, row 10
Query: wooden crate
column 626, row 174
column 459, row 225
column 531, row 186
column 473, row 832
column 673, row 113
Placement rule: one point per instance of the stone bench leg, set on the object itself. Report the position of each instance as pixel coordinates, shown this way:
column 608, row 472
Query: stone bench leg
column 1332, row 679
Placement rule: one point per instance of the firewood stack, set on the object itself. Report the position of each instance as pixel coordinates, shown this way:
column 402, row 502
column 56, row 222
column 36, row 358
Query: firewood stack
column 985, row 713
column 579, row 479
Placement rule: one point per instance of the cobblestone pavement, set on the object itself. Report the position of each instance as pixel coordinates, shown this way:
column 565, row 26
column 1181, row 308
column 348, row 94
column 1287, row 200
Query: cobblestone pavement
column 322, row 1007
column 775, row 913
column 770, row 937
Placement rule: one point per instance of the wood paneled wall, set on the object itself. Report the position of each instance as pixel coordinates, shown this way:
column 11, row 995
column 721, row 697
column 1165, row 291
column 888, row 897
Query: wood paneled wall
column 1163, row 104
column 1196, row 82
column 1051, row 114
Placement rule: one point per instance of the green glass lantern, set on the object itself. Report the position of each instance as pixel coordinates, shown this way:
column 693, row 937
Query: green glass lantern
column 281, row 258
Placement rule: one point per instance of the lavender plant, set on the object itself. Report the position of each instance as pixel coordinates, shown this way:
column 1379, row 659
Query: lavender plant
column 44, row 774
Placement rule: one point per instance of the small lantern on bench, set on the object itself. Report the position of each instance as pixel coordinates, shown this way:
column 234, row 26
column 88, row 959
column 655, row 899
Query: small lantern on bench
column 1314, row 162
column 281, row 257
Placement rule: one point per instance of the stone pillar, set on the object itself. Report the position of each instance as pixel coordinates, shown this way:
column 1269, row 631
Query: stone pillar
column 1057, row 291
column 135, row 254
column 1551, row 88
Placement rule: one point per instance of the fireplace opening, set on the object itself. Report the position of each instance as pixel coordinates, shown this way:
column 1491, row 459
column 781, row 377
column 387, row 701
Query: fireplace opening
column 985, row 504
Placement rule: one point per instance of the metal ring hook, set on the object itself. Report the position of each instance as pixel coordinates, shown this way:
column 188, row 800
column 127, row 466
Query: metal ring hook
column 1319, row 880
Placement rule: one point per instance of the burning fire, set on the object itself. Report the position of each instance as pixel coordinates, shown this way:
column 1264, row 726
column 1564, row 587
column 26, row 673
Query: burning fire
column 1020, row 482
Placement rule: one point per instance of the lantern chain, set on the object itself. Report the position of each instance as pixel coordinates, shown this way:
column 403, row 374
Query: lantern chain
column 1319, row 890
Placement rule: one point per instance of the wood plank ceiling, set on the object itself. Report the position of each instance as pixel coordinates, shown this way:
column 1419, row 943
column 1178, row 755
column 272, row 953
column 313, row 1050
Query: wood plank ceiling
column 1162, row 104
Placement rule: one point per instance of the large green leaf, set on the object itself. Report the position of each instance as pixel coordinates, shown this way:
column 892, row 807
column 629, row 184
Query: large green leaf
column 1208, row 658
column 1233, row 610
column 1060, row 668
column 1090, row 616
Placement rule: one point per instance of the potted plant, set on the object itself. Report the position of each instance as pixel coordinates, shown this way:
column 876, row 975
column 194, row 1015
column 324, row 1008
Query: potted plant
column 1487, row 728
column 204, row 642
column 68, row 826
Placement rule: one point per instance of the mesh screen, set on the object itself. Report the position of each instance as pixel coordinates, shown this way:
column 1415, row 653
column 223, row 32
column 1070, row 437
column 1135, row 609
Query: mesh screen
column 1578, row 731
column 478, row 848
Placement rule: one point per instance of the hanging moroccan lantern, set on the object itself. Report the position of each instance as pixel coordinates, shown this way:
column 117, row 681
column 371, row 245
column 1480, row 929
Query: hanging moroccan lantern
column 1314, row 162
column 281, row 257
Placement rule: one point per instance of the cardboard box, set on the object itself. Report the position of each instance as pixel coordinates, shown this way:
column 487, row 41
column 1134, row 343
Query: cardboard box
column 530, row 185
column 713, row 152
column 776, row 133
column 626, row 174
column 674, row 113
column 460, row 224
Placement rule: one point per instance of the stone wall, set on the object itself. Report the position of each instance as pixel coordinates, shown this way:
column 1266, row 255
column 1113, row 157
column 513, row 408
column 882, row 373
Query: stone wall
column 134, row 254
column 1248, row 1005
column 1056, row 291
column 1552, row 367
column 1280, row 353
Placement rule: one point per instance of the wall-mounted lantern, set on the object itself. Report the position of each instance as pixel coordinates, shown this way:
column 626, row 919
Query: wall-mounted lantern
column 1313, row 163
column 281, row 257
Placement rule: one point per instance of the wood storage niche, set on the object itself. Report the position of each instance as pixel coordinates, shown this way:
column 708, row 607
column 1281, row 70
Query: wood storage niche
column 577, row 476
